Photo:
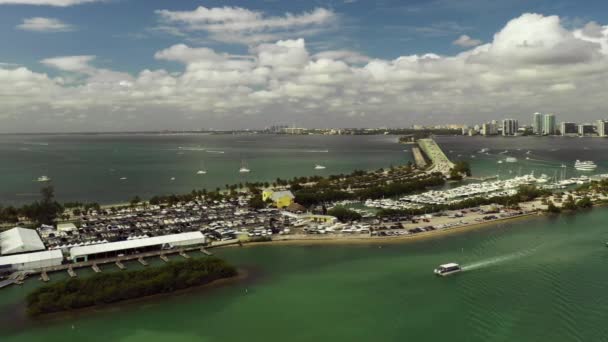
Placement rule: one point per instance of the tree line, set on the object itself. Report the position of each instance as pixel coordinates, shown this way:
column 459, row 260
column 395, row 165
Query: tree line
column 111, row 287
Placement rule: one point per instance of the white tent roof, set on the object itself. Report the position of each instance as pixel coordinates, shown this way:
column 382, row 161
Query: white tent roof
column 183, row 239
column 20, row 240
column 30, row 257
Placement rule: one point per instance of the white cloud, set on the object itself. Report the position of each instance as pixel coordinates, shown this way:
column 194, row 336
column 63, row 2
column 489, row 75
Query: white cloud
column 466, row 41
column 532, row 64
column 41, row 24
column 70, row 63
column 58, row 3
column 240, row 25
column 352, row 57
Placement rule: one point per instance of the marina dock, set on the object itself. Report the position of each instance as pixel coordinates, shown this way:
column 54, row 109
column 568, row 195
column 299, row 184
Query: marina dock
column 206, row 252
column 71, row 272
column 96, row 268
column 44, row 276
column 183, row 254
column 120, row 265
column 142, row 261
column 164, row 258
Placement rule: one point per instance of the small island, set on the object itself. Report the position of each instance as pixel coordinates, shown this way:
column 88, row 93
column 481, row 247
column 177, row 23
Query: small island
column 106, row 288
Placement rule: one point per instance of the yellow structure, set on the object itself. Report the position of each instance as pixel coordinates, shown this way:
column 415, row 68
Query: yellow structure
column 280, row 199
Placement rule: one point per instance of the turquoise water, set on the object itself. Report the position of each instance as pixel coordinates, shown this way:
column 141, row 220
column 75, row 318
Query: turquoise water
column 538, row 279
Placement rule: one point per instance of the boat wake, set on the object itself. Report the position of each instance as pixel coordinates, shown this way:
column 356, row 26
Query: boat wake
column 497, row 260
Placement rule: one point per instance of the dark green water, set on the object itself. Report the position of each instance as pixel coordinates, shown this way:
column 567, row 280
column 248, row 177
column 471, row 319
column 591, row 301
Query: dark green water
column 89, row 167
column 539, row 279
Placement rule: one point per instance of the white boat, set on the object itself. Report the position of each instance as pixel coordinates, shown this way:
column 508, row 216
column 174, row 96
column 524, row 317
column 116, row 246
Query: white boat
column 447, row 269
column 172, row 178
column 484, row 150
column 511, row 160
column 201, row 172
column 585, row 165
column 500, row 162
column 319, row 167
column 123, row 178
column 244, row 168
column 43, row 179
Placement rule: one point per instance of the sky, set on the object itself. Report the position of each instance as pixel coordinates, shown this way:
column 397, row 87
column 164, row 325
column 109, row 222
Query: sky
column 136, row 65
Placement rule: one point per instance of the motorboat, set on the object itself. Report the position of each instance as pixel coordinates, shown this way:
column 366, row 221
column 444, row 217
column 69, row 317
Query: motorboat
column 43, row 179
column 201, row 172
column 447, row 269
column 587, row 165
column 511, row 160
column 319, row 167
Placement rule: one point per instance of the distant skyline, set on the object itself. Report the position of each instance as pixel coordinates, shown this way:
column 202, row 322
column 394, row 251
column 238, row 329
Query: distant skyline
column 137, row 65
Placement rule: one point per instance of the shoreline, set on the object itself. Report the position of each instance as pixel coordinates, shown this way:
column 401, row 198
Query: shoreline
column 24, row 320
column 305, row 240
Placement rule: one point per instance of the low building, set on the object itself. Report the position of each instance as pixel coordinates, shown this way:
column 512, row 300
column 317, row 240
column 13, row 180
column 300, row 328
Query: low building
column 20, row 240
column 281, row 199
column 136, row 246
column 30, row 261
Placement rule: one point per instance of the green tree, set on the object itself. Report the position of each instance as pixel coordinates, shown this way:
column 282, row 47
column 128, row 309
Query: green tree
column 552, row 208
column 344, row 214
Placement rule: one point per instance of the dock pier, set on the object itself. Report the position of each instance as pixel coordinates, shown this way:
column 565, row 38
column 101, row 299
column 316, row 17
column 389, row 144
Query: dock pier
column 120, row 265
column 96, row 268
column 206, row 252
column 71, row 272
column 44, row 276
column 142, row 261
column 164, row 258
column 182, row 253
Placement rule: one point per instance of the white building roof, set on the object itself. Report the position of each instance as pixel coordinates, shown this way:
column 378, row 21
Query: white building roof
column 35, row 257
column 183, row 239
column 20, row 240
column 280, row 194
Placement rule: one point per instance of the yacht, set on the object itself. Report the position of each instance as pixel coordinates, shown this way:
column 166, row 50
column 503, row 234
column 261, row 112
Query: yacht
column 511, row 160
column 500, row 162
column 43, row 179
column 585, row 165
column 319, row 167
column 484, row 150
column 123, row 178
column 447, row 269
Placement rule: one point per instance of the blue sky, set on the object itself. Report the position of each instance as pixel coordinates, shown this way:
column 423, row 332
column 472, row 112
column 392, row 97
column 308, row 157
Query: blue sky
column 123, row 38
column 118, row 31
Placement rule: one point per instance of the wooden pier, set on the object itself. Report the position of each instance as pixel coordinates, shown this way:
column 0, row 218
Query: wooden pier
column 206, row 252
column 71, row 272
column 96, row 268
column 44, row 276
column 164, row 258
column 182, row 253
column 120, row 265
column 142, row 261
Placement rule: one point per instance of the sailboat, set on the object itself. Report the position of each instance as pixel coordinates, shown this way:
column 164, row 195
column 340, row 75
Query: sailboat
column 244, row 168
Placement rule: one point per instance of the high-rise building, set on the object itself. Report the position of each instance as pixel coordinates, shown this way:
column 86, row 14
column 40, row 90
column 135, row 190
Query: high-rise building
column 537, row 123
column 586, row 129
column 602, row 128
column 489, row 128
column 568, row 128
column 509, row 127
column 548, row 124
